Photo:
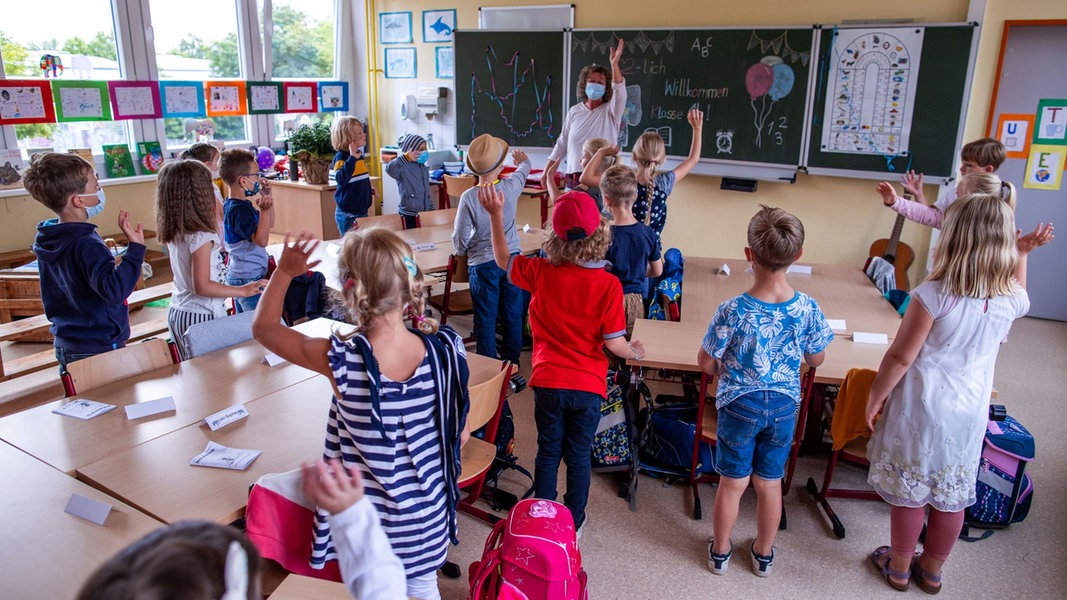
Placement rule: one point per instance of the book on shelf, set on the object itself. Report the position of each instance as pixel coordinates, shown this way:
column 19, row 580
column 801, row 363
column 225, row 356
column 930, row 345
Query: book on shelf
column 86, row 153
column 118, row 161
column 151, row 156
column 11, row 167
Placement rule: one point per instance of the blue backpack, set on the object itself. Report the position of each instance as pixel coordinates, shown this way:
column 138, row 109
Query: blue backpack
column 1003, row 489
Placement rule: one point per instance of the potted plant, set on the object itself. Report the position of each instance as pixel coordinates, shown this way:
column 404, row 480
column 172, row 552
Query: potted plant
column 310, row 145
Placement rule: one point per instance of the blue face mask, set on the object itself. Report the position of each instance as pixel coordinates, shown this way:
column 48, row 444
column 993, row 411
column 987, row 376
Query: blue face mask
column 92, row 211
column 253, row 191
column 594, row 91
column 423, row 157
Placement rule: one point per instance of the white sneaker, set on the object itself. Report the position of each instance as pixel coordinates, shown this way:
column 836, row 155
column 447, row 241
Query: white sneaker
column 578, row 533
column 718, row 563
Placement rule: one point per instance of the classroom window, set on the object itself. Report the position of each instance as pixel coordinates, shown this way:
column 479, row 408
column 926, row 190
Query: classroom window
column 78, row 39
column 302, row 48
column 198, row 40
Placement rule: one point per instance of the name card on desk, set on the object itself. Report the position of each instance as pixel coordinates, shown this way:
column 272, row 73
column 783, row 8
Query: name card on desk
column 226, row 416
column 526, row 228
column 222, row 457
column 862, row 337
column 273, row 359
column 836, row 324
column 91, row 510
column 152, row 407
column 83, row 409
column 724, row 269
column 333, row 249
column 799, row 269
column 422, row 247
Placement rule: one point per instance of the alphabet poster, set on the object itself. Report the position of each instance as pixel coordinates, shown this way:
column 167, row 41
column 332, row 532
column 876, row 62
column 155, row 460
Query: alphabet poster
column 1051, row 122
column 1014, row 132
column 871, row 90
column 1044, row 170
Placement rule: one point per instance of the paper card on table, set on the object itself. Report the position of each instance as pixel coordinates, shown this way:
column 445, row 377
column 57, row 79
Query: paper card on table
column 333, row 249
column 801, row 269
column 724, row 269
column 152, row 407
column 83, row 409
column 426, row 246
column 273, row 359
column 91, row 510
column 836, row 324
column 863, row 337
column 526, row 228
column 221, row 457
column 226, row 416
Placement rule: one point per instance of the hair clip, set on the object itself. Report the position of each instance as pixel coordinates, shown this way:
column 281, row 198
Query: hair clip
column 349, row 283
column 410, row 264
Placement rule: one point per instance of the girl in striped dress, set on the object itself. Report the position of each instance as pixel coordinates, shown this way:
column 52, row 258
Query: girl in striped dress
column 400, row 396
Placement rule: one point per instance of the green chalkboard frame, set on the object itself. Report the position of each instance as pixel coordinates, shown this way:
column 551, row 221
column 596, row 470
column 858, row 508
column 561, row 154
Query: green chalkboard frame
column 510, row 84
column 941, row 94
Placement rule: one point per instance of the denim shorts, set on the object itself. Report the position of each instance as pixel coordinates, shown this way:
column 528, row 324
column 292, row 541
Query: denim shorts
column 755, row 435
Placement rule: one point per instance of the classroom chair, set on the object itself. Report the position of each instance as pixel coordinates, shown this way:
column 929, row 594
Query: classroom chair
column 849, row 434
column 435, row 218
column 486, row 404
column 391, row 222
column 217, row 334
column 102, row 369
column 451, row 301
column 455, row 185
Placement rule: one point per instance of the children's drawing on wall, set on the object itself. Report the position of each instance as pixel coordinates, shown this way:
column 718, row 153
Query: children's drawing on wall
column 300, row 98
column 81, row 102
column 767, row 82
column 224, row 98
column 21, row 103
column 134, row 101
column 506, row 84
column 400, row 63
column 437, row 25
column 871, row 91
column 264, row 97
column 181, row 100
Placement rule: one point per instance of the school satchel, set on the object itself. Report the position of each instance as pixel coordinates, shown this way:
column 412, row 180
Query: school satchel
column 532, row 554
column 613, row 441
column 668, row 448
column 1003, row 489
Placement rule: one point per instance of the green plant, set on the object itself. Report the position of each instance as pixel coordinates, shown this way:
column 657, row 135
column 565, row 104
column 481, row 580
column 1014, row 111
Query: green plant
column 313, row 139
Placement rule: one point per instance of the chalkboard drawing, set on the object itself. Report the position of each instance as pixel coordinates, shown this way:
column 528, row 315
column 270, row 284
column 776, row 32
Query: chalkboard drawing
column 724, row 141
column 513, row 85
column 871, row 94
column 641, row 41
column 665, row 132
column 772, row 78
column 631, row 116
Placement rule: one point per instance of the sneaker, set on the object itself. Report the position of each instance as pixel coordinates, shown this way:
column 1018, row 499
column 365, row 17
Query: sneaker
column 581, row 528
column 718, row 563
column 761, row 565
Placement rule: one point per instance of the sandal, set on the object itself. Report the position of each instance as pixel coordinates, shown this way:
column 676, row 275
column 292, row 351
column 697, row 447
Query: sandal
column 927, row 581
column 889, row 574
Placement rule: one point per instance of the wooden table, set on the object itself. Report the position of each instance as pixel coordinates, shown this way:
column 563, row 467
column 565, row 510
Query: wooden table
column 299, row 587
column 47, row 553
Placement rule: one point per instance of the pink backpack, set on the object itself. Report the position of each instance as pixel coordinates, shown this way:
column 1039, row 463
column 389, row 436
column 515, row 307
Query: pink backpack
column 531, row 555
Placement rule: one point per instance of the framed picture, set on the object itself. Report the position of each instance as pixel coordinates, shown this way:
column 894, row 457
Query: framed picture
column 1051, row 122
column 79, row 100
column 400, row 63
column 437, row 25
column 395, row 28
column 300, row 97
column 134, row 99
column 333, row 96
column 445, row 65
column 182, row 98
column 264, row 97
column 25, row 101
column 225, row 98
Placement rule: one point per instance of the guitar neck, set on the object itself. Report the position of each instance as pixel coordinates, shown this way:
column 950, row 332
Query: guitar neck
column 894, row 237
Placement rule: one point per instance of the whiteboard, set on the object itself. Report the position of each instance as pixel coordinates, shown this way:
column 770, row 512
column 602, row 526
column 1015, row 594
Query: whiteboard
column 520, row 18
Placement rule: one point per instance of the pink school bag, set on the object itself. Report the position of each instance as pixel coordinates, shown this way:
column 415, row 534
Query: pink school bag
column 531, row 555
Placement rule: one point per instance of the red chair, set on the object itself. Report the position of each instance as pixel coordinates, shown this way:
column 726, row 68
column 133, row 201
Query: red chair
column 486, row 403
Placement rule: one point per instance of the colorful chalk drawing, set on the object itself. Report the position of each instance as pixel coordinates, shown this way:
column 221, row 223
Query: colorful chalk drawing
column 21, row 103
column 80, row 103
column 871, row 91
column 770, row 78
column 516, row 78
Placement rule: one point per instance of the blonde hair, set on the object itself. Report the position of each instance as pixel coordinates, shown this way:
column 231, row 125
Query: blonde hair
column 619, row 186
column 976, row 254
column 52, row 178
column 588, row 249
column 987, row 183
column 649, row 151
column 377, row 279
column 775, row 237
column 343, row 132
column 185, row 200
column 591, row 146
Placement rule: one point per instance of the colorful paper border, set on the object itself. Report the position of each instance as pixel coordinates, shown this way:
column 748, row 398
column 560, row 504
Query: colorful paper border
column 344, row 96
column 99, row 86
column 1061, row 122
column 277, row 85
column 242, row 102
column 201, row 107
column 46, row 100
column 152, row 86
column 414, row 62
column 288, row 85
column 381, row 29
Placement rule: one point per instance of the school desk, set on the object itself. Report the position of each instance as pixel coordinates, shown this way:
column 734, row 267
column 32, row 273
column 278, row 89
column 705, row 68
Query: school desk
column 299, row 587
column 44, row 551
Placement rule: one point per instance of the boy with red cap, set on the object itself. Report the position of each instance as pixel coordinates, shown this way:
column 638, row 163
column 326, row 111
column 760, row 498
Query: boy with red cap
column 575, row 312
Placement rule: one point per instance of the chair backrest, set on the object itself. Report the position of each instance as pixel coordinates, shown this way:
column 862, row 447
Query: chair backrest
column 455, row 185
column 434, row 218
column 109, row 367
column 458, row 271
column 391, row 222
column 216, row 334
column 486, row 398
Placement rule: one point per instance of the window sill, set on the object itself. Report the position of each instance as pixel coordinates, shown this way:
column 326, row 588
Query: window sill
column 20, row 191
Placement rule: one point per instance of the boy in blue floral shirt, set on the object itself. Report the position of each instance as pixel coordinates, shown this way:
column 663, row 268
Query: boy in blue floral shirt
column 754, row 344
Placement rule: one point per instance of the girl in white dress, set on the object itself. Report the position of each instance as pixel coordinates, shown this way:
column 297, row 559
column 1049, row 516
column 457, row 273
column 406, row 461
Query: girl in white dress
column 934, row 384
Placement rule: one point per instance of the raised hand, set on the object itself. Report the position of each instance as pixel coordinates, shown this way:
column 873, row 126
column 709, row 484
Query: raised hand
column 614, row 54
column 332, row 486
column 296, row 256
column 1041, row 235
column 355, row 150
column 888, row 194
column 913, row 183
column 518, row 156
column 134, row 235
column 696, row 119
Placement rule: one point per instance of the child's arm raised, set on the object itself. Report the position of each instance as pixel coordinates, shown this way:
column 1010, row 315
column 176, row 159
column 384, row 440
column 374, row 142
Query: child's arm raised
column 592, row 171
column 1041, row 235
column 696, row 121
column 913, row 183
column 267, row 327
column 493, row 202
column 898, row 358
column 548, row 180
column 115, row 281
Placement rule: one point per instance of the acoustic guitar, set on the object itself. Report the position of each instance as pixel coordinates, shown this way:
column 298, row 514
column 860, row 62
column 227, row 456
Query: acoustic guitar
column 896, row 252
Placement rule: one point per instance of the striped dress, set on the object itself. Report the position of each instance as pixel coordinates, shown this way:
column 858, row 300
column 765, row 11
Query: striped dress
column 398, row 450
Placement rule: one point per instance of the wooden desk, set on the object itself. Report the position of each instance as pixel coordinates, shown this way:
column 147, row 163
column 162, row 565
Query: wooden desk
column 46, row 552
column 299, row 587
column 542, row 195
column 302, row 206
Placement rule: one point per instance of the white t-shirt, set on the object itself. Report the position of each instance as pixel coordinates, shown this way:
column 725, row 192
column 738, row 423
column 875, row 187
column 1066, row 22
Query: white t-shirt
column 181, row 264
column 583, row 123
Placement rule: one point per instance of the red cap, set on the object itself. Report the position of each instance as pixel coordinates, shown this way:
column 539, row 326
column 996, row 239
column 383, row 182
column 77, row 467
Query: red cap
column 575, row 216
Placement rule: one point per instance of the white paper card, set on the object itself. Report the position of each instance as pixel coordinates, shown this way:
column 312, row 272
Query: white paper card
column 863, row 337
column 91, row 510
column 836, row 324
column 526, row 228
column 221, row 457
column 273, row 359
column 800, row 269
column 226, row 416
column 83, row 409
column 333, row 249
column 724, row 269
column 426, row 246
column 152, row 407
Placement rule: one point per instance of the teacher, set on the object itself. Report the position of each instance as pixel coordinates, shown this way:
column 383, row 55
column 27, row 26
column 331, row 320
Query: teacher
column 598, row 114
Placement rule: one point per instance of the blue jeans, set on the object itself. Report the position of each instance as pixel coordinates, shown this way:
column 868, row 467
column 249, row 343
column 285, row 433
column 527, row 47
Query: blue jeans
column 496, row 298
column 345, row 220
column 755, row 435
column 566, row 422
column 66, row 357
column 245, row 304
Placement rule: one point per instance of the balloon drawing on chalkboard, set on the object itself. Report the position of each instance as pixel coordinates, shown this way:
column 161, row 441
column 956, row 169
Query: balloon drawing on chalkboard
column 783, row 82
column 758, row 80
column 769, row 77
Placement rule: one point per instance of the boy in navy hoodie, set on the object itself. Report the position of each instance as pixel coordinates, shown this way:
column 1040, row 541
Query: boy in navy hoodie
column 83, row 287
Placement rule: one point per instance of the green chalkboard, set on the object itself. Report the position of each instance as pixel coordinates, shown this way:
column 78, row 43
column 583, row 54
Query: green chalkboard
column 940, row 82
column 751, row 84
column 508, row 84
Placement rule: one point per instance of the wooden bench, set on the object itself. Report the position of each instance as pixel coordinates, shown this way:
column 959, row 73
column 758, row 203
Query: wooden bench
column 16, row 258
